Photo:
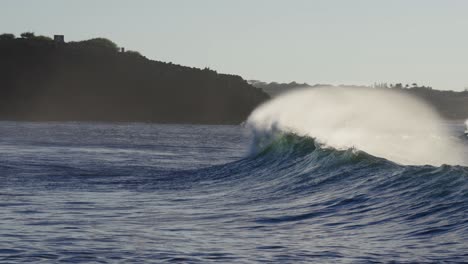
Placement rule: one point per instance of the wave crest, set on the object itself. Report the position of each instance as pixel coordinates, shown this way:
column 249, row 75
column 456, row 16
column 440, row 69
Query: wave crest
column 383, row 123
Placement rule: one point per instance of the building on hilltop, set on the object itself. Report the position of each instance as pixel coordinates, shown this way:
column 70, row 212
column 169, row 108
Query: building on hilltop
column 59, row 38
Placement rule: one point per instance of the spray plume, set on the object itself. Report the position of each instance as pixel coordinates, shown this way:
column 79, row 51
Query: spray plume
column 383, row 123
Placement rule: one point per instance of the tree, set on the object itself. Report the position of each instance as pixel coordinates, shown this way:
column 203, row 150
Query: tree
column 101, row 43
column 133, row 53
column 7, row 36
column 43, row 38
column 27, row 35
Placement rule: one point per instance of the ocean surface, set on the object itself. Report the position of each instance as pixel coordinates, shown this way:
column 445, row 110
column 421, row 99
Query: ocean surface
column 147, row 193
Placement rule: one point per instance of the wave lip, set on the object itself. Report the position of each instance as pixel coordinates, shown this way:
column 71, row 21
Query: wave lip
column 383, row 123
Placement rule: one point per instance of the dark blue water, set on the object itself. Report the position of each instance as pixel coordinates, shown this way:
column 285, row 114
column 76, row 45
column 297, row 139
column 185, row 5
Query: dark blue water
column 140, row 193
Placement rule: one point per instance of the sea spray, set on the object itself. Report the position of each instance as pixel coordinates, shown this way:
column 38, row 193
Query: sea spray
column 380, row 122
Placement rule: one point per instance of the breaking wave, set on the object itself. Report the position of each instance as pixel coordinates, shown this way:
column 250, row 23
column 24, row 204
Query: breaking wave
column 382, row 123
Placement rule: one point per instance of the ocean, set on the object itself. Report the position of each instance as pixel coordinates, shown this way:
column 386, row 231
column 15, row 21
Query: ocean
column 75, row 192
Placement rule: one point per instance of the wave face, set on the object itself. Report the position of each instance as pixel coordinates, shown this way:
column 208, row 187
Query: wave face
column 80, row 193
column 383, row 123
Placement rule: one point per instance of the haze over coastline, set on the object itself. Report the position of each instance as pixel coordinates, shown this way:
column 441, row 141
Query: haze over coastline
column 45, row 79
column 451, row 105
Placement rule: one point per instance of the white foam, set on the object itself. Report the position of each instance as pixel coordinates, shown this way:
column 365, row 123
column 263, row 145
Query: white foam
column 380, row 122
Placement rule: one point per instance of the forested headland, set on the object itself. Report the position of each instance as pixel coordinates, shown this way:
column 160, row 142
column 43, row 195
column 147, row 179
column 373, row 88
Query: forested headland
column 42, row 79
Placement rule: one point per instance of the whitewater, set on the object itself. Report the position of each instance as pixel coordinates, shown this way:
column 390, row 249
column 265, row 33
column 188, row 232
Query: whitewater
column 315, row 176
column 381, row 122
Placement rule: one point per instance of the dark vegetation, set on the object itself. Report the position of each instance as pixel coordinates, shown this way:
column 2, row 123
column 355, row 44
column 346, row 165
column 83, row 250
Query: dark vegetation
column 92, row 80
column 275, row 88
column 449, row 104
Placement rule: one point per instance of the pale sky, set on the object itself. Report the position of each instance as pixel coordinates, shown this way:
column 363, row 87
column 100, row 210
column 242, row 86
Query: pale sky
column 338, row 42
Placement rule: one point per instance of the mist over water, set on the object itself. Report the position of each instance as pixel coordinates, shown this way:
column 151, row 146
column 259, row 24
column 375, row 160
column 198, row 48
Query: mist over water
column 383, row 123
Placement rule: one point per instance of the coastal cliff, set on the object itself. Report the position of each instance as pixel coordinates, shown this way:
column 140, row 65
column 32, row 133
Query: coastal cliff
column 48, row 80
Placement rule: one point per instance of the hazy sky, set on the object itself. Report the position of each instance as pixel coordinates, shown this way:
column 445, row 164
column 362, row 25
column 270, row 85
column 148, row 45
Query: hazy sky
column 339, row 42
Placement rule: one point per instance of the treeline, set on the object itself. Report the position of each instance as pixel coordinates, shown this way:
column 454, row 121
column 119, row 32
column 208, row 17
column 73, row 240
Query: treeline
column 92, row 80
column 449, row 104
column 275, row 88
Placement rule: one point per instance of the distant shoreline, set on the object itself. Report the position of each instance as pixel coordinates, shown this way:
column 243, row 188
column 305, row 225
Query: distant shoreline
column 45, row 79
column 451, row 105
